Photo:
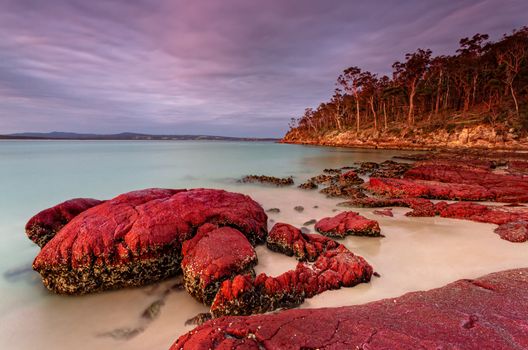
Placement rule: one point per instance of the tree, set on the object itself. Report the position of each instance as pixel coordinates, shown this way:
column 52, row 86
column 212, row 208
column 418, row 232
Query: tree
column 410, row 73
column 351, row 81
column 369, row 82
column 511, row 52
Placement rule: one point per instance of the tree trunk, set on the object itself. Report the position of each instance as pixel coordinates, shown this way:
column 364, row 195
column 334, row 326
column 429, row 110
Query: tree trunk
column 357, row 110
column 514, row 99
column 385, row 116
column 374, row 113
column 410, row 115
column 438, row 90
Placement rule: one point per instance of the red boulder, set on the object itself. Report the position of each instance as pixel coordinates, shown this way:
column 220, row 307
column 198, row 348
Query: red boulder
column 136, row 238
column 347, row 223
column 43, row 226
column 212, row 256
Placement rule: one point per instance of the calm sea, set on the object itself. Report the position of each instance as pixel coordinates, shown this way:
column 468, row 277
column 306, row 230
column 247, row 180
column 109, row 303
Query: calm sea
column 37, row 174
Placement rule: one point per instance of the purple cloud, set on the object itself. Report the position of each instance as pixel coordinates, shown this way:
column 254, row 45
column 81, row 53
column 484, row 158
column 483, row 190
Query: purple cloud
column 232, row 67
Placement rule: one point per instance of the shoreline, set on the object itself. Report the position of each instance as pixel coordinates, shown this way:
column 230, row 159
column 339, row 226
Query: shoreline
column 406, row 147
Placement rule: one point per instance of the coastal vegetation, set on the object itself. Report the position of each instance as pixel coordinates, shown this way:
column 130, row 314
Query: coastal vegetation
column 483, row 85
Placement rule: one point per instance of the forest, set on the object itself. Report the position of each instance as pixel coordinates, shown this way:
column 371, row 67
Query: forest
column 483, row 83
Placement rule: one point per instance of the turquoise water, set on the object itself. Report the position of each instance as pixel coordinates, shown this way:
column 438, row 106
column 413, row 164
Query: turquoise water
column 37, row 174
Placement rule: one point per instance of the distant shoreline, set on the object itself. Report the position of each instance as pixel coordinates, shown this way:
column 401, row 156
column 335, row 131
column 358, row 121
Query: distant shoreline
column 64, row 136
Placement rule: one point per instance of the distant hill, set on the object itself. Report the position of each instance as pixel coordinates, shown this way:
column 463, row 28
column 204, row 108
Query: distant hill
column 56, row 135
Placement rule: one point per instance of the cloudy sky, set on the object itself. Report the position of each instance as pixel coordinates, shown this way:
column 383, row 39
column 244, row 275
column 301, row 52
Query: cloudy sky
column 230, row 67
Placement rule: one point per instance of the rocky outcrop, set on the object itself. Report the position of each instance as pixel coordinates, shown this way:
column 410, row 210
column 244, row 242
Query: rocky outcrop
column 42, row 227
column 136, row 238
column 348, row 223
column 490, row 312
column 402, row 188
column 477, row 136
column 498, row 186
column 334, row 266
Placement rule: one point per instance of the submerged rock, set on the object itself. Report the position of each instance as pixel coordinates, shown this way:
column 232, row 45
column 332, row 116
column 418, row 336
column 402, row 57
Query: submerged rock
column 299, row 208
column 310, row 222
column 348, row 223
column 485, row 313
column 42, row 227
column 343, row 191
column 136, row 238
column 308, row 185
column 277, row 181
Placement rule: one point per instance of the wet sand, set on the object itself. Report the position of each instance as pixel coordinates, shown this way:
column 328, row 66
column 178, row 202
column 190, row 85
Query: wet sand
column 415, row 254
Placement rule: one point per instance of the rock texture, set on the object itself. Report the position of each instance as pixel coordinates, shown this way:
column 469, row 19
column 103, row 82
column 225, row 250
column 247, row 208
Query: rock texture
column 490, row 312
column 212, row 256
column 42, row 227
column 136, row 238
column 334, row 266
column 347, row 223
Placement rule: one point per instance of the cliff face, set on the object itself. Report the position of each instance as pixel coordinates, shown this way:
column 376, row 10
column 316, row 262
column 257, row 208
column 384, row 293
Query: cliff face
column 479, row 136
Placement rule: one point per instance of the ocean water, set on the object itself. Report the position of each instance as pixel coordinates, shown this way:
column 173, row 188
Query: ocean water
column 416, row 254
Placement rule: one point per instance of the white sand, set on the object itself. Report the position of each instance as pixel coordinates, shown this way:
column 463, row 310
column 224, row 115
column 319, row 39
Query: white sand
column 416, row 254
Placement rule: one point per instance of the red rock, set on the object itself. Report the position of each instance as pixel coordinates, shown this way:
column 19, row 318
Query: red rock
column 501, row 187
column 347, row 223
column 518, row 167
column 420, row 206
column 512, row 221
column 136, row 238
column 407, row 188
column 515, row 231
column 374, row 202
column 289, row 240
column 212, row 256
column 490, row 312
column 333, row 269
column 43, row 226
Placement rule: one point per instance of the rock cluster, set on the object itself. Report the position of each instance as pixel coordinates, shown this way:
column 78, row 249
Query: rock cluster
column 136, row 238
column 333, row 267
column 486, row 313
column 146, row 236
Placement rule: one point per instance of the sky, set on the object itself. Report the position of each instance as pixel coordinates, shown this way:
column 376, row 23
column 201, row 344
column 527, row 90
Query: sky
column 230, row 67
